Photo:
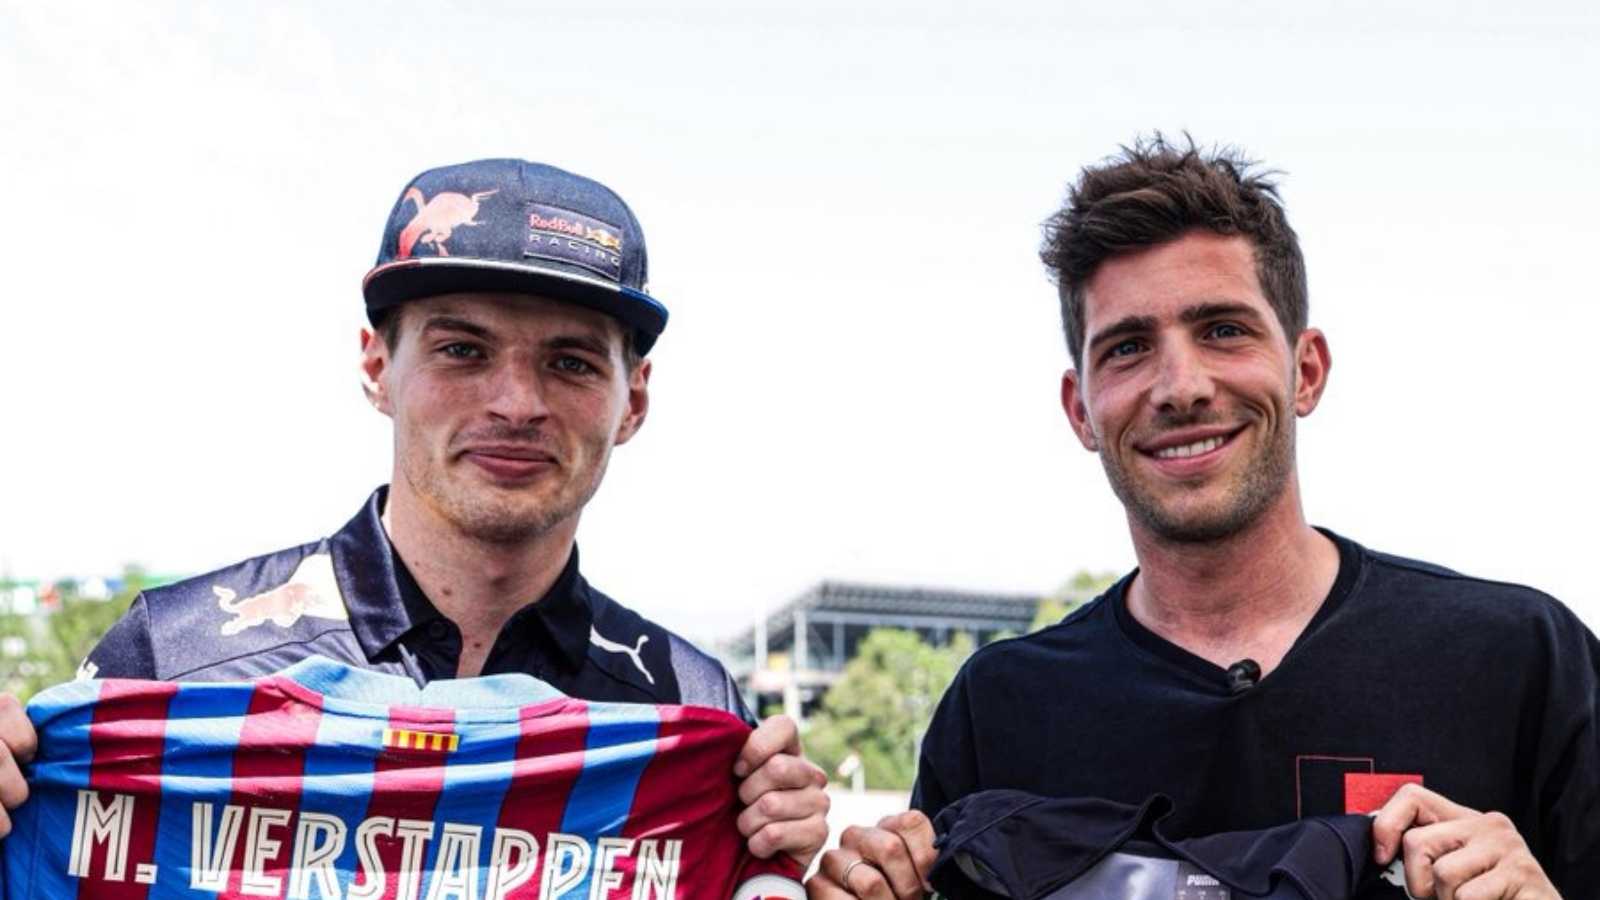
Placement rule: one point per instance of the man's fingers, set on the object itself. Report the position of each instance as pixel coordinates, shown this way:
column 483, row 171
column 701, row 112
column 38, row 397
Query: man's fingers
column 1459, row 867
column 783, row 772
column 889, row 853
column 781, row 806
column 857, row 874
column 1410, row 806
column 13, row 787
column 1463, row 857
column 800, row 839
column 778, row 734
column 16, row 732
column 821, row 887
column 916, row 831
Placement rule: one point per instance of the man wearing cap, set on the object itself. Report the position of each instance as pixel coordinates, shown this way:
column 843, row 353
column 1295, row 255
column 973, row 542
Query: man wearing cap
column 510, row 327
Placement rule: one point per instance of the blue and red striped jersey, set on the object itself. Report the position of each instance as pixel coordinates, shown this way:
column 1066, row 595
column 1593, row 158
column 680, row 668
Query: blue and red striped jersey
column 334, row 783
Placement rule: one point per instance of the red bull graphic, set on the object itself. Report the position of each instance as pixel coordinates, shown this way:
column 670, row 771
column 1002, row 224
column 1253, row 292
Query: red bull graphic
column 437, row 219
column 574, row 238
column 311, row 591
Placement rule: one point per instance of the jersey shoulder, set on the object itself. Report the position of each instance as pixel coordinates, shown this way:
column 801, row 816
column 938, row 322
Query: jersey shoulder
column 658, row 663
column 247, row 619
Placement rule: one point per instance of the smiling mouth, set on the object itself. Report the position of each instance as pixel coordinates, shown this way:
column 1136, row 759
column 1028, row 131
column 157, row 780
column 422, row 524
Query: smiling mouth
column 1194, row 449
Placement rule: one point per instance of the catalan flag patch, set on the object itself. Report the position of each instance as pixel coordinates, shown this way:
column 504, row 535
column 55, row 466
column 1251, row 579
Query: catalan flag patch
column 407, row 739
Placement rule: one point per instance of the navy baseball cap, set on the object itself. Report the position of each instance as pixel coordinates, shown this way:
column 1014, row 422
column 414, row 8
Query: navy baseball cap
column 517, row 226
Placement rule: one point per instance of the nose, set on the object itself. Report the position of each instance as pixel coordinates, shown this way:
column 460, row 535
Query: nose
column 1183, row 383
column 517, row 392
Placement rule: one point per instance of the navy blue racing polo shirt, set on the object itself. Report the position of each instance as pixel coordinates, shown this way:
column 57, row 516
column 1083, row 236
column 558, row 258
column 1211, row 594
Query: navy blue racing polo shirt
column 350, row 598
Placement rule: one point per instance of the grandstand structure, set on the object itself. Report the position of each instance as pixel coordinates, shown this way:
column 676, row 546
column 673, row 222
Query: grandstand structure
column 794, row 653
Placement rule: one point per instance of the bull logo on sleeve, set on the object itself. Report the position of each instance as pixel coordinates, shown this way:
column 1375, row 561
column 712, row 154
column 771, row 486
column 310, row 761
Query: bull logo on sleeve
column 310, row 591
column 437, row 219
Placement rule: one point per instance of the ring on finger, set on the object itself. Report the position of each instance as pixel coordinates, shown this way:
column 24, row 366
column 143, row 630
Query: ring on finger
column 844, row 877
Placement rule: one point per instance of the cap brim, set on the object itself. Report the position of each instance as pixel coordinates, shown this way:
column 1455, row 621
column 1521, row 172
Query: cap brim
column 394, row 283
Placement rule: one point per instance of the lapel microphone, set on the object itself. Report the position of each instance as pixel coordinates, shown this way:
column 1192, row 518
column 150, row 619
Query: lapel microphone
column 1243, row 675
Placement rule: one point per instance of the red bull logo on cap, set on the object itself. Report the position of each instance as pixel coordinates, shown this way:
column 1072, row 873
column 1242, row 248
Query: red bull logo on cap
column 437, row 219
column 574, row 238
column 310, row 591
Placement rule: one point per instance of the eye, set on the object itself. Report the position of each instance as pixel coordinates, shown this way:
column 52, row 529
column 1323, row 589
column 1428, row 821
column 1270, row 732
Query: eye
column 1227, row 330
column 572, row 365
column 1123, row 348
column 461, row 350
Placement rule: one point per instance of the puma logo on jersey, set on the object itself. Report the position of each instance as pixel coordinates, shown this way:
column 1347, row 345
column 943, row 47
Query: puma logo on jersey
column 632, row 653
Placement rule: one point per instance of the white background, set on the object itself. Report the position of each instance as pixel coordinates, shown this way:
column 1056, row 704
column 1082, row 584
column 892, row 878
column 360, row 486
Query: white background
column 842, row 203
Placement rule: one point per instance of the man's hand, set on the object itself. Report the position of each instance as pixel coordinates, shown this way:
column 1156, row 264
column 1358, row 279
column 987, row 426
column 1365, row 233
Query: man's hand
column 889, row 862
column 1455, row 853
column 786, row 807
column 17, row 743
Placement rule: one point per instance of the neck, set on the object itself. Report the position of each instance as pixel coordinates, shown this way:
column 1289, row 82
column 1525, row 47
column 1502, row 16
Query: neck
column 1248, row 595
column 476, row 584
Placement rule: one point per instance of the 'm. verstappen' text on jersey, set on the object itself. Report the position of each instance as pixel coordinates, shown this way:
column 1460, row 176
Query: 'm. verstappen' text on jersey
column 327, row 782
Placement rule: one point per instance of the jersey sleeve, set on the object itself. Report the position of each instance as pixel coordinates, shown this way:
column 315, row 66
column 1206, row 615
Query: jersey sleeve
column 126, row 650
column 946, row 769
column 1566, row 771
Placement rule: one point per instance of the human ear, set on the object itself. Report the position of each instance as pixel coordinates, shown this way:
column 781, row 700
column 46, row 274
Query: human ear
column 638, row 402
column 1077, row 411
column 374, row 369
column 1312, row 363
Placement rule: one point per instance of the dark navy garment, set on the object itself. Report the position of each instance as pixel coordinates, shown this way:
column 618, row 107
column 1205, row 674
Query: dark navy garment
column 1485, row 692
column 349, row 598
column 1012, row 844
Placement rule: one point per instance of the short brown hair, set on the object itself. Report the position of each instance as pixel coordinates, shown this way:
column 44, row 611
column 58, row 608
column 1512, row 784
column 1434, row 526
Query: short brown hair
column 1151, row 193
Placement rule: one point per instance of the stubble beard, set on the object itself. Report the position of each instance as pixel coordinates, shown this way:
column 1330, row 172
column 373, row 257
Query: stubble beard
column 1264, row 480
column 500, row 517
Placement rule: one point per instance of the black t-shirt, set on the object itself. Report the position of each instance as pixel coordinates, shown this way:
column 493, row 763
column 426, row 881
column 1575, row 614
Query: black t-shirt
column 1482, row 691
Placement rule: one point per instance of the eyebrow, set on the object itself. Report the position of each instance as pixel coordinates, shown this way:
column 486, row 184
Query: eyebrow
column 453, row 323
column 1216, row 310
column 580, row 342
column 1122, row 328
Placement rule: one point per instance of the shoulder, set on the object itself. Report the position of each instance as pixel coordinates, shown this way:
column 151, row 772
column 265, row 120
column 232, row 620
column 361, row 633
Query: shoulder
column 663, row 665
column 1075, row 640
column 237, row 612
column 1420, row 587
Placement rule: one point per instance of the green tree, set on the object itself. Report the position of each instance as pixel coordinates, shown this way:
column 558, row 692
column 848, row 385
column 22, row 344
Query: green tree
column 45, row 647
column 881, row 704
column 1074, row 592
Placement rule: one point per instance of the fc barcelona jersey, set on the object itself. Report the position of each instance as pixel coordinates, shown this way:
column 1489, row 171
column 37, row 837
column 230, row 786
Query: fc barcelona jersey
column 329, row 782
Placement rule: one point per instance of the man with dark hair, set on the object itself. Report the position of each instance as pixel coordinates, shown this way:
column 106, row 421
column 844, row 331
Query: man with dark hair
column 1254, row 669
column 511, row 320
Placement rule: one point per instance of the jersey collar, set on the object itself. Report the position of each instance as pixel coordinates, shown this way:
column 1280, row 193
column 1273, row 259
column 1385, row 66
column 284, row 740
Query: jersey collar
column 385, row 602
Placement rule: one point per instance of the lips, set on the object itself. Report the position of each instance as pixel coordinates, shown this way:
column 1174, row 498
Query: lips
column 510, row 461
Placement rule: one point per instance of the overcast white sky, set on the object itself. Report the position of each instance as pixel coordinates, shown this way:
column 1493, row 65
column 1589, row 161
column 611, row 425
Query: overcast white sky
column 842, row 203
